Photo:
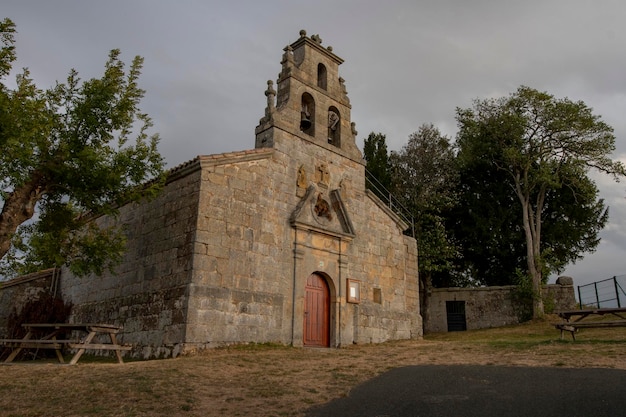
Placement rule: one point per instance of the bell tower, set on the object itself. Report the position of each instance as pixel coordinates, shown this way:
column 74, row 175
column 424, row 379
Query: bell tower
column 311, row 101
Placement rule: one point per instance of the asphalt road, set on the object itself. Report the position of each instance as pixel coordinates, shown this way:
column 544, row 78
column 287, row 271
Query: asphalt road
column 485, row 391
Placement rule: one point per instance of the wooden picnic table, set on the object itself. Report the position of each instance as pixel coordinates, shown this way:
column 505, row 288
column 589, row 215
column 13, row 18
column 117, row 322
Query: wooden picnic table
column 55, row 336
column 581, row 314
column 575, row 319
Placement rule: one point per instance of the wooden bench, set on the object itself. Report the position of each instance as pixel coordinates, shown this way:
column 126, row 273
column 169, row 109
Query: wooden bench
column 581, row 323
column 44, row 336
column 574, row 326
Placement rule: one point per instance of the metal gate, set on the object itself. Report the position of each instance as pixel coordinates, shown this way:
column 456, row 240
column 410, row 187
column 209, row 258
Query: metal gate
column 455, row 311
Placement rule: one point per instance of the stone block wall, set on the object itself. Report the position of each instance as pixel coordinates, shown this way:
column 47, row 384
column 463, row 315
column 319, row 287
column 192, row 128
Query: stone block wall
column 248, row 282
column 148, row 293
column 379, row 256
column 487, row 307
column 242, row 287
column 385, row 261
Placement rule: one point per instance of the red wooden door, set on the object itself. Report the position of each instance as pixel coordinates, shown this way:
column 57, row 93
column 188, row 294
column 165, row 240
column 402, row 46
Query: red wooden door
column 316, row 312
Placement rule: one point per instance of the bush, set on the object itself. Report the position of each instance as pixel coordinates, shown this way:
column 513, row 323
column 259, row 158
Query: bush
column 45, row 309
column 523, row 296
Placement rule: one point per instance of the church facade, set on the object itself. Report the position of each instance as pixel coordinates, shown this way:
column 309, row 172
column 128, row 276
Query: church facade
column 281, row 243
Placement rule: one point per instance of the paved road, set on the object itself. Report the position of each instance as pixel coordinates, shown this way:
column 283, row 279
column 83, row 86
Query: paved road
column 485, row 391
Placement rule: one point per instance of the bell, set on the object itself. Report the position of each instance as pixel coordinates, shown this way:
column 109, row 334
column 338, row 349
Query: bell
column 305, row 123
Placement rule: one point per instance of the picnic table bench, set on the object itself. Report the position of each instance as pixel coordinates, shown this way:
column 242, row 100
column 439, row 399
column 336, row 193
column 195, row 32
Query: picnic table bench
column 54, row 336
column 575, row 319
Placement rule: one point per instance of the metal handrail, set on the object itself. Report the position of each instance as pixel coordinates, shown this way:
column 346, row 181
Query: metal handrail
column 390, row 200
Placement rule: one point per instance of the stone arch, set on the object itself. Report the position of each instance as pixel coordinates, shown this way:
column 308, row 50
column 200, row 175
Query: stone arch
column 307, row 113
column 334, row 126
column 322, row 76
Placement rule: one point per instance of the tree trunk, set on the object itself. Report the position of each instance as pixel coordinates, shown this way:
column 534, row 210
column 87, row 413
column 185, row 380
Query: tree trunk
column 19, row 206
column 534, row 272
column 538, row 308
column 532, row 231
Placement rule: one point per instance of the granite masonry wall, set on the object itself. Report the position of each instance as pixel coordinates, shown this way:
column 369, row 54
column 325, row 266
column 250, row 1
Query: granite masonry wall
column 378, row 255
column 148, row 294
column 240, row 289
column 251, row 263
column 489, row 306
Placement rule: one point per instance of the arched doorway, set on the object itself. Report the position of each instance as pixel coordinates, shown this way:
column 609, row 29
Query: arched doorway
column 316, row 312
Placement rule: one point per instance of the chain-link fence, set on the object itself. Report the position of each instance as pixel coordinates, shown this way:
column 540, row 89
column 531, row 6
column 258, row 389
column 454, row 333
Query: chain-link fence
column 608, row 293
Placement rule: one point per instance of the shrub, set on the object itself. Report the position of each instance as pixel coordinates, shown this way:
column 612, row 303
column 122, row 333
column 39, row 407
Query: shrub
column 47, row 308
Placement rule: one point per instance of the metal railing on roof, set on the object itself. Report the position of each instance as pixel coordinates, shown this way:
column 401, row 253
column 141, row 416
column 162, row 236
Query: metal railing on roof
column 390, row 201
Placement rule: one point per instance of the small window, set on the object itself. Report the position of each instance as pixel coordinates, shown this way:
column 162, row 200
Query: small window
column 321, row 76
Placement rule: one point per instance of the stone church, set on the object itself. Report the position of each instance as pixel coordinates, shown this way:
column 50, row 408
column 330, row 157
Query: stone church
column 281, row 243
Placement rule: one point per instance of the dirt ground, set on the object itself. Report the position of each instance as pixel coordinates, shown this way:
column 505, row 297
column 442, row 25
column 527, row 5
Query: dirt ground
column 266, row 380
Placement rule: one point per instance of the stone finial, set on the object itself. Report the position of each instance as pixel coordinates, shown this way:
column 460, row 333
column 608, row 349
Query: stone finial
column 287, row 61
column 353, row 128
column 316, row 39
column 303, row 33
column 270, row 93
column 565, row 281
column 287, row 55
column 343, row 85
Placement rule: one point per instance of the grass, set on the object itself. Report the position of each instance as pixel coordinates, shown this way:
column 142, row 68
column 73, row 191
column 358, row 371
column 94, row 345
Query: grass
column 276, row 380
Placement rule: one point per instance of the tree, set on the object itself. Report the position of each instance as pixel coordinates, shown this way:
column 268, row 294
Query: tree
column 541, row 144
column 487, row 223
column 66, row 155
column 424, row 180
column 377, row 158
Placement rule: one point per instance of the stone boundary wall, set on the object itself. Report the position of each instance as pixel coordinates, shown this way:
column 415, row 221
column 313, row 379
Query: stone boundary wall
column 487, row 307
column 15, row 293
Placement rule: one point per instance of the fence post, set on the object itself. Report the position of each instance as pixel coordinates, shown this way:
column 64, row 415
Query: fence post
column 580, row 300
column 616, row 291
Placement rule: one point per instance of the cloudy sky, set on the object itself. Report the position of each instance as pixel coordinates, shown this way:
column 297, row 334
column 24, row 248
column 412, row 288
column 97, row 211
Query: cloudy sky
column 407, row 62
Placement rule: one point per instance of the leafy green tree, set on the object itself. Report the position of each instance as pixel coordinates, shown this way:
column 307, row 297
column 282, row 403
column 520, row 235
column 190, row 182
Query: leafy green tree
column 424, row 180
column 488, row 228
column 574, row 216
column 541, row 145
column 67, row 156
column 485, row 224
column 377, row 158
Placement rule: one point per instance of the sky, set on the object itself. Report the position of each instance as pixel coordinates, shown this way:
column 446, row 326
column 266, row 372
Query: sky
column 407, row 62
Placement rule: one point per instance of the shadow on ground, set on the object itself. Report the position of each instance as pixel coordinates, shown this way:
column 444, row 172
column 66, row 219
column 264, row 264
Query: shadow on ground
column 485, row 391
